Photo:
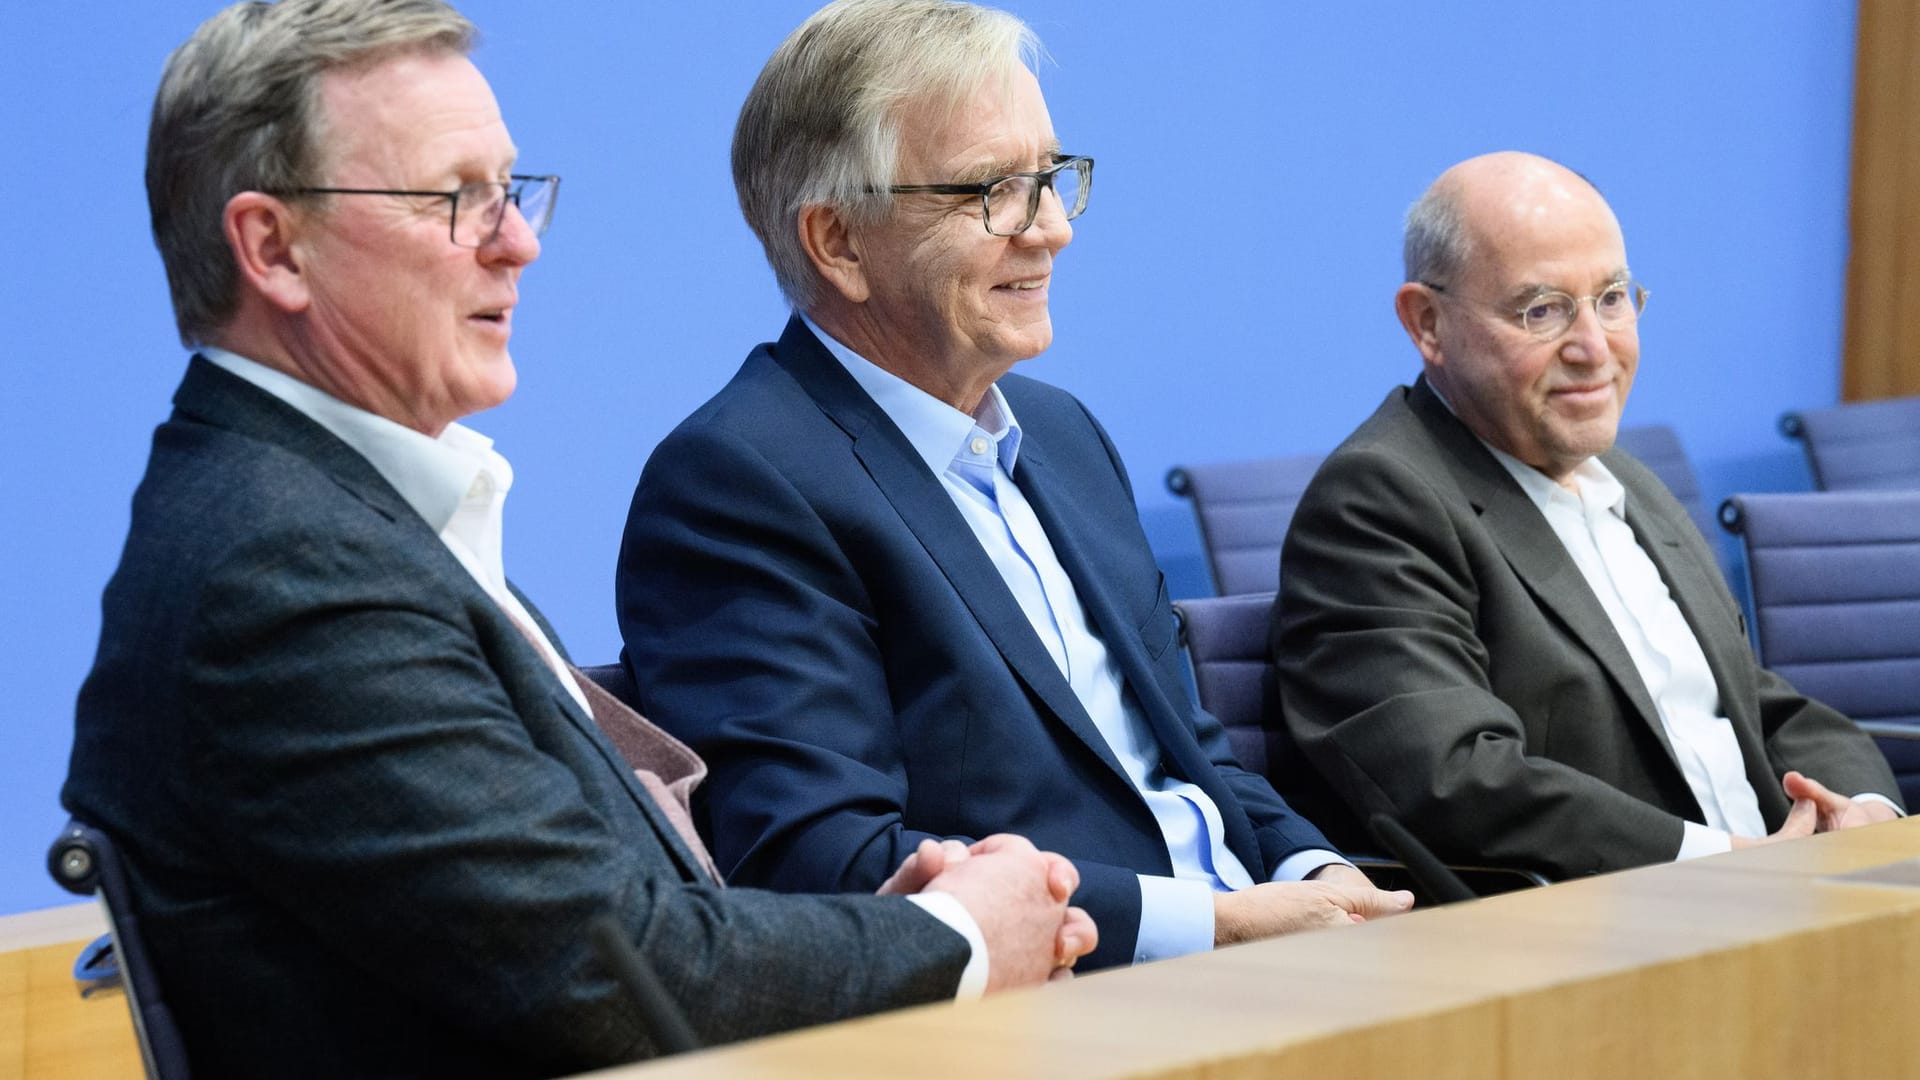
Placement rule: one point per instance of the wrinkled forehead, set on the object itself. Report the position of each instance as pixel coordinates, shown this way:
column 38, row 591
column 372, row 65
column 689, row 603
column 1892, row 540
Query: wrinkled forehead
column 1551, row 231
column 428, row 104
column 995, row 122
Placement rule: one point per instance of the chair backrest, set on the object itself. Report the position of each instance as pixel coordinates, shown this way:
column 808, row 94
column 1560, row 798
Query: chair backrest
column 615, row 679
column 1658, row 448
column 1861, row 445
column 1835, row 579
column 1243, row 508
column 1226, row 639
column 83, row 861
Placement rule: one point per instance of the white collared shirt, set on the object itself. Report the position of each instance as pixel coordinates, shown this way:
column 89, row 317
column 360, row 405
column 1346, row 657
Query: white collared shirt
column 974, row 458
column 1591, row 522
column 457, row 483
column 1592, row 525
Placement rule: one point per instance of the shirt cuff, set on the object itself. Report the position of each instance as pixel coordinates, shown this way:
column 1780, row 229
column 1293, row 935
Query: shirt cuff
column 1176, row 918
column 948, row 909
column 1697, row 840
column 1874, row 796
column 1298, row 865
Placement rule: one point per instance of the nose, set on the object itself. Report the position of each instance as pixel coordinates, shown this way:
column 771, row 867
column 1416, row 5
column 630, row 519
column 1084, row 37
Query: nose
column 1586, row 340
column 514, row 244
column 1050, row 227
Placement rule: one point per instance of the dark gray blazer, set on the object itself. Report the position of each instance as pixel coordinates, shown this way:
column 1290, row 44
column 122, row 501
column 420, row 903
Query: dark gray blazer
column 1441, row 658
column 368, row 828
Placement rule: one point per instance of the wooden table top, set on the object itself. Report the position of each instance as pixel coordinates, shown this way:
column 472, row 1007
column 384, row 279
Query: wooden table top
column 1756, row 963
column 47, row 1030
column 1783, row 961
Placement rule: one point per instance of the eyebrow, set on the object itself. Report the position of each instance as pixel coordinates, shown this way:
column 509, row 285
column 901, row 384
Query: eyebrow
column 1531, row 290
column 1050, row 154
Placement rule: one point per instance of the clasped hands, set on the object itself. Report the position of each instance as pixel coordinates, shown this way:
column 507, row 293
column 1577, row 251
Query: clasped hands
column 1018, row 897
column 1817, row 809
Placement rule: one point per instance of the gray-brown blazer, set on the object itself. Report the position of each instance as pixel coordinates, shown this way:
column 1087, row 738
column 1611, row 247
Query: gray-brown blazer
column 1441, row 658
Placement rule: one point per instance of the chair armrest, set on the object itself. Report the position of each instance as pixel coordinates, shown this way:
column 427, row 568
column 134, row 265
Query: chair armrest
column 1889, row 729
column 1483, row 880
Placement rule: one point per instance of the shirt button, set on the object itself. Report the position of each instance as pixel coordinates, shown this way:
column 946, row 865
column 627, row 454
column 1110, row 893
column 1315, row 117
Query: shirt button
column 978, row 445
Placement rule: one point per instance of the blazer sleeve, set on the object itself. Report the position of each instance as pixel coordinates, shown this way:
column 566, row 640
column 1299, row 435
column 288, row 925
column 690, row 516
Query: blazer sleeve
column 365, row 766
column 1385, row 685
column 1279, row 831
column 752, row 637
column 1817, row 740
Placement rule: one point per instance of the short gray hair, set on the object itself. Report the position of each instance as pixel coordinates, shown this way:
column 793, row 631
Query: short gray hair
column 821, row 125
column 1437, row 243
column 237, row 110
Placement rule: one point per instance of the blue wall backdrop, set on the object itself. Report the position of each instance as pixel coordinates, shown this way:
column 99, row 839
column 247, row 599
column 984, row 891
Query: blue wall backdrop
column 1227, row 295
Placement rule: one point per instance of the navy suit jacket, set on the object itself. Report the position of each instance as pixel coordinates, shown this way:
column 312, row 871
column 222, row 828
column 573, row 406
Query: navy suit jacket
column 367, row 827
column 802, row 602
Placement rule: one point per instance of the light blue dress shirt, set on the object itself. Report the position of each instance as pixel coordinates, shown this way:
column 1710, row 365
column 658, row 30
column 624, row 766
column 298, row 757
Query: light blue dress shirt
column 974, row 456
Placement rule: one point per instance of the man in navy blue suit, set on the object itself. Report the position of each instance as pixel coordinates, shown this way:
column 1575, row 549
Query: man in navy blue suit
column 367, row 814
column 889, row 590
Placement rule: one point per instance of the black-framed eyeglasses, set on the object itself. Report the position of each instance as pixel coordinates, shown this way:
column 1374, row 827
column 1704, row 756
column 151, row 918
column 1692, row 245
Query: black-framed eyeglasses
column 477, row 208
column 1548, row 314
column 1008, row 204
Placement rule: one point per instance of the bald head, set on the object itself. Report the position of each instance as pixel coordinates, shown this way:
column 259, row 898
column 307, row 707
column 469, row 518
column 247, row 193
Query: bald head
column 1495, row 247
column 1486, row 197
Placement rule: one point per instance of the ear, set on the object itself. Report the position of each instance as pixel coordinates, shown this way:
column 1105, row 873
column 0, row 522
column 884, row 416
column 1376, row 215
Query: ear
column 828, row 241
column 262, row 235
column 1419, row 317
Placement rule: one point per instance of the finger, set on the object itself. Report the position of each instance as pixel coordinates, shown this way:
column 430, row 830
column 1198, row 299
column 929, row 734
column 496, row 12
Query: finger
column 1062, row 877
column 953, row 851
column 1078, row 936
column 1798, row 785
column 1001, row 842
column 1800, row 820
column 916, row 870
column 1369, row 902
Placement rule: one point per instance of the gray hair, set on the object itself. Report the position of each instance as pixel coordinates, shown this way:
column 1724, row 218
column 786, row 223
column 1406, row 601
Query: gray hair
column 821, row 125
column 1437, row 243
column 237, row 110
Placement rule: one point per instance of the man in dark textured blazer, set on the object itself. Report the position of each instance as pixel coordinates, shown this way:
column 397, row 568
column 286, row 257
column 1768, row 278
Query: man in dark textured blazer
column 1504, row 632
column 891, row 591
column 366, row 810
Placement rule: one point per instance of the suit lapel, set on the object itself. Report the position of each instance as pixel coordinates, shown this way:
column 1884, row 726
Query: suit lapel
column 690, row 867
column 534, row 666
column 1687, row 580
column 928, row 512
column 1052, row 497
column 1535, row 553
column 215, row 396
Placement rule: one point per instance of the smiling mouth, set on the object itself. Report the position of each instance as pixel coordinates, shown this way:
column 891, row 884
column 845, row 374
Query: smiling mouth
column 1030, row 285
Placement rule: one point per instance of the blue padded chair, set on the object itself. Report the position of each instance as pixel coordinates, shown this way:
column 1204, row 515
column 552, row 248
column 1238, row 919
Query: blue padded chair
column 1836, row 596
column 84, row 862
column 615, row 679
column 1244, row 507
column 1860, row 445
column 1658, row 448
column 1226, row 642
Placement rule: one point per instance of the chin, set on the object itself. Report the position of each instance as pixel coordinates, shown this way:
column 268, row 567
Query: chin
column 494, row 386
